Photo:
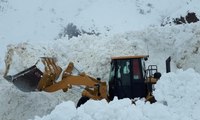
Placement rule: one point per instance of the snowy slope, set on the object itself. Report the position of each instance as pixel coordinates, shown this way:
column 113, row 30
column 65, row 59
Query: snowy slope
column 127, row 27
column 23, row 20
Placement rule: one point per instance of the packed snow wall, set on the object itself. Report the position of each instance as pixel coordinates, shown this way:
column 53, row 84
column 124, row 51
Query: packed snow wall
column 92, row 54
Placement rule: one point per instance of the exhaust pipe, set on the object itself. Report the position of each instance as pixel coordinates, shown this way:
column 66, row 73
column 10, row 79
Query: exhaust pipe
column 168, row 68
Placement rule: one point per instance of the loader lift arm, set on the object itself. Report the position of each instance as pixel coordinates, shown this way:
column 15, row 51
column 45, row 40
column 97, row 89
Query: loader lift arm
column 94, row 89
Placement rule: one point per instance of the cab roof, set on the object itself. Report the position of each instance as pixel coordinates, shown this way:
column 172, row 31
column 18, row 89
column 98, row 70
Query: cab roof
column 129, row 57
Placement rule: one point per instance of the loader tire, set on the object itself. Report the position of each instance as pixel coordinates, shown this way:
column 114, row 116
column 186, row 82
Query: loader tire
column 81, row 101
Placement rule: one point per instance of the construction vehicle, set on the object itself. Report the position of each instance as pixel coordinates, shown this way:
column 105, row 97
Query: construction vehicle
column 129, row 78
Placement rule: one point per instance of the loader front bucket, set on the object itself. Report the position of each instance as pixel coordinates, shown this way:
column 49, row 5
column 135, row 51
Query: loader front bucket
column 26, row 80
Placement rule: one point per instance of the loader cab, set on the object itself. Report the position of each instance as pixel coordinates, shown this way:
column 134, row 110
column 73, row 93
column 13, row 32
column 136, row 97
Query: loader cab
column 127, row 77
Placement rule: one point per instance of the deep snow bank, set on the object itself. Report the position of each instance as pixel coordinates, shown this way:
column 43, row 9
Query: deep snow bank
column 181, row 91
column 17, row 105
column 101, row 110
column 93, row 53
column 178, row 89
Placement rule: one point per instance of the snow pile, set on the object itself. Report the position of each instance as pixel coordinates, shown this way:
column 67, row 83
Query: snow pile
column 179, row 90
column 20, row 105
column 180, row 42
column 101, row 110
column 45, row 19
column 93, row 53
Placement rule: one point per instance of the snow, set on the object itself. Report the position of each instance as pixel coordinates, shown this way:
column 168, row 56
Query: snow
column 176, row 100
column 127, row 27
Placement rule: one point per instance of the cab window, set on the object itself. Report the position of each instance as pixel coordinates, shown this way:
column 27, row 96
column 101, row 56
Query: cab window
column 123, row 71
column 136, row 69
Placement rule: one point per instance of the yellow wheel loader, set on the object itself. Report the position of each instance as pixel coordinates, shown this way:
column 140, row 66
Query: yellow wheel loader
column 129, row 78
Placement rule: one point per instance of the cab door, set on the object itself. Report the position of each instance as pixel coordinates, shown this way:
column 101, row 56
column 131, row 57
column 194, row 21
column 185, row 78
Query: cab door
column 126, row 79
column 120, row 79
column 138, row 86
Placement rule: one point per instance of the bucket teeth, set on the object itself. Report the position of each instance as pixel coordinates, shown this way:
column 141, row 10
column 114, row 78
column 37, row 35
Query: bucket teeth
column 26, row 80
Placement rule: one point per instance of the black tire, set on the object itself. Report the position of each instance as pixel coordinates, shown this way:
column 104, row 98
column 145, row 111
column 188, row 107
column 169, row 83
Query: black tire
column 81, row 101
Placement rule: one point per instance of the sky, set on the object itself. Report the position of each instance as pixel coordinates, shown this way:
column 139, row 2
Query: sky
column 126, row 27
